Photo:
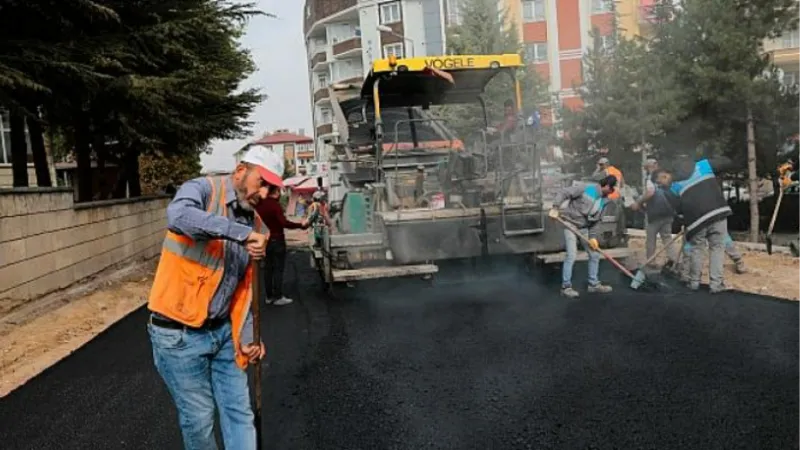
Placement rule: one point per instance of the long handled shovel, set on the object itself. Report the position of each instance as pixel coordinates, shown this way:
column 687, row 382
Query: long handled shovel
column 772, row 222
column 608, row 257
column 255, row 309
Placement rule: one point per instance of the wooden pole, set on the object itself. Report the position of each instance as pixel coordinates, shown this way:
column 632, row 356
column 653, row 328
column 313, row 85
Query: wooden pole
column 255, row 309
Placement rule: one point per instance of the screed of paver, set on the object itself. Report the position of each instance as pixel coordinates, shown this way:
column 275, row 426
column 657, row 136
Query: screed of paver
column 41, row 342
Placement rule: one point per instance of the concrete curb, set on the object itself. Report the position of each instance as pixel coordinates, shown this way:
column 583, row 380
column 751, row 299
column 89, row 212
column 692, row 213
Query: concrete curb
column 750, row 246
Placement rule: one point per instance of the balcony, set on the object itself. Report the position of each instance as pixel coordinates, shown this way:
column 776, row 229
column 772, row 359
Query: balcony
column 347, row 47
column 325, row 129
column 320, row 94
column 350, row 80
column 316, row 10
column 319, row 58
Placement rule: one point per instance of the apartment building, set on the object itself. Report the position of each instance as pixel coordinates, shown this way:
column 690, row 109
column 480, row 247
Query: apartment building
column 556, row 36
column 344, row 37
column 785, row 54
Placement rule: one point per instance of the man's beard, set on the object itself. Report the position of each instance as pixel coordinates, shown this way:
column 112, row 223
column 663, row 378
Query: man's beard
column 242, row 200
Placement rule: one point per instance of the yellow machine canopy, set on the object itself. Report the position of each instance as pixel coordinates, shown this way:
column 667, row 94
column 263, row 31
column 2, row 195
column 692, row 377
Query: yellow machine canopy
column 434, row 80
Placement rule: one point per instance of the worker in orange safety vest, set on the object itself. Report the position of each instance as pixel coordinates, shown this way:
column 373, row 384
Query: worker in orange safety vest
column 200, row 325
column 604, row 169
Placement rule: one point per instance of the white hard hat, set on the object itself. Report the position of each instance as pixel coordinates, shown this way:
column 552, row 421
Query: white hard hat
column 602, row 160
column 269, row 164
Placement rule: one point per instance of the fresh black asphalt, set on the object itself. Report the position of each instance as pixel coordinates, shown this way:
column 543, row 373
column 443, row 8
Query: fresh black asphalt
column 493, row 364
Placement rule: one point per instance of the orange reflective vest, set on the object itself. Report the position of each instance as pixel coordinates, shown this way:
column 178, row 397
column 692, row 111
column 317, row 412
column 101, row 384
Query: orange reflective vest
column 611, row 170
column 189, row 272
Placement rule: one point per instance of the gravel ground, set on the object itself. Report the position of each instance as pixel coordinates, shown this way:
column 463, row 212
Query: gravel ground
column 500, row 364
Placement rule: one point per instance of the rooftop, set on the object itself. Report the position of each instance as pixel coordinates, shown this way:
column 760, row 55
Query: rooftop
column 282, row 137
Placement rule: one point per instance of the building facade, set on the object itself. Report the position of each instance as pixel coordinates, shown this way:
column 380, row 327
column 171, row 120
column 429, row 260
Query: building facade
column 344, row 37
column 785, row 54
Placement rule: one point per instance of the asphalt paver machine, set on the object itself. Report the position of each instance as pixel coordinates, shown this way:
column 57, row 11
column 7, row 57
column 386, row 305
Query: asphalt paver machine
column 412, row 193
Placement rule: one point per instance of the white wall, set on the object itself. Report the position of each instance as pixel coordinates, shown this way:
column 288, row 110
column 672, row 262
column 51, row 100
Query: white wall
column 347, row 68
column 414, row 27
column 370, row 37
column 338, row 32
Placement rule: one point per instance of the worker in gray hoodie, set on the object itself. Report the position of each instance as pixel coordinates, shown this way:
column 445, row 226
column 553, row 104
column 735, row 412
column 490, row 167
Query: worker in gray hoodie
column 583, row 207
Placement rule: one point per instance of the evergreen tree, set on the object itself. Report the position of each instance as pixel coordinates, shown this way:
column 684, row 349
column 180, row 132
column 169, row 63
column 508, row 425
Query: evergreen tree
column 121, row 78
column 715, row 48
column 628, row 100
column 486, row 30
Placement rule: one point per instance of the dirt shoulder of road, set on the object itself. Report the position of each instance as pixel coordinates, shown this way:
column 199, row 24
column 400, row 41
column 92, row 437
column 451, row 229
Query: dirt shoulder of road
column 37, row 334
column 775, row 275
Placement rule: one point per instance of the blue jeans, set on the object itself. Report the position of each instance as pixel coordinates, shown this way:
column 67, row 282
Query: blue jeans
column 200, row 370
column 571, row 242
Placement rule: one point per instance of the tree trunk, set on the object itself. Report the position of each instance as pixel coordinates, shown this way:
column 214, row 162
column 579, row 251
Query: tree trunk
column 753, row 178
column 83, row 156
column 19, row 150
column 39, row 153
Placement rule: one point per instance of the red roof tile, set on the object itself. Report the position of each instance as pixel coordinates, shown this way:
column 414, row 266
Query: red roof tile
column 282, row 138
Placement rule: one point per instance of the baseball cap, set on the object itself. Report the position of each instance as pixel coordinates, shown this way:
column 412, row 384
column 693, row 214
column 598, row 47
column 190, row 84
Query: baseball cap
column 602, row 160
column 268, row 163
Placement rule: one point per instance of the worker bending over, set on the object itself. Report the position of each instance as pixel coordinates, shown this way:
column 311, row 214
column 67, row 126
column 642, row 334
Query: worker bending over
column 200, row 326
column 583, row 207
column 699, row 198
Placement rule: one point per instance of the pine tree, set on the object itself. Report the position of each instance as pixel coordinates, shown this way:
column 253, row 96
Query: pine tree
column 628, row 101
column 715, row 49
column 486, row 30
column 147, row 75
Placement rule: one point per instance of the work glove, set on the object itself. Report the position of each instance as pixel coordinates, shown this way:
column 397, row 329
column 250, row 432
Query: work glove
column 553, row 213
column 786, row 181
column 594, row 245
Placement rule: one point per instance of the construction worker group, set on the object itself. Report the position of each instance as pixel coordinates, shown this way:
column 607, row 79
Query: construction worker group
column 688, row 192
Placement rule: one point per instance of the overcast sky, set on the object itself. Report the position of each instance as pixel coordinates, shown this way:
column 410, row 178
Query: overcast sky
column 282, row 74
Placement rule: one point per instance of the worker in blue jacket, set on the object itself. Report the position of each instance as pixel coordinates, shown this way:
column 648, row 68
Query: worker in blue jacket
column 699, row 199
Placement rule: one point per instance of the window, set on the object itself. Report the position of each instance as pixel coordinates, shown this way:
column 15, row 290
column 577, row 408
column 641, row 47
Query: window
column 790, row 78
column 536, row 52
column 390, row 13
column 533, row 10
column 324, row 116
column 791, row 39
column 393, row 49
column 454, row 12
column 601, row 6
column 5, row 139
column 322, row 80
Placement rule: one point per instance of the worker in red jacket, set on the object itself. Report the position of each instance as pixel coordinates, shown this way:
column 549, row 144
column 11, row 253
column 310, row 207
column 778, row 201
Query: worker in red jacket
column 271, row 213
